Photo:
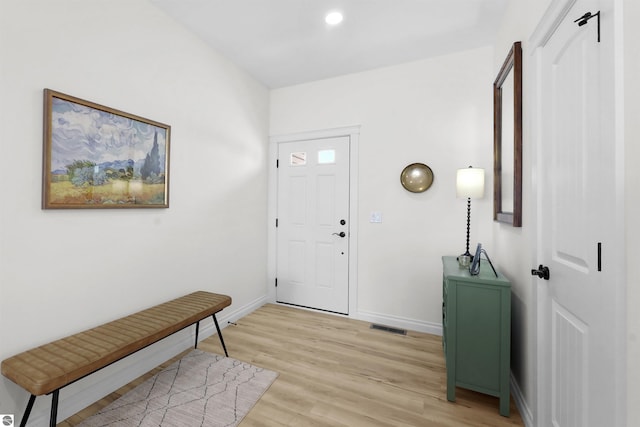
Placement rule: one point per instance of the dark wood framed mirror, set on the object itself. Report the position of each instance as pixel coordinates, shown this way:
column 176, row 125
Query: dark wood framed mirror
column 507, row 140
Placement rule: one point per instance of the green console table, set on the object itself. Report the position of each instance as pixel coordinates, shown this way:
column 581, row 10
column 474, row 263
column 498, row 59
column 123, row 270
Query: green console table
column 476, row 331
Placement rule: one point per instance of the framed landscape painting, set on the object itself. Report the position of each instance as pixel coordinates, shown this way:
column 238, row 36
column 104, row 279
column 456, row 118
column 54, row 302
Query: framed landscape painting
column 99, row 157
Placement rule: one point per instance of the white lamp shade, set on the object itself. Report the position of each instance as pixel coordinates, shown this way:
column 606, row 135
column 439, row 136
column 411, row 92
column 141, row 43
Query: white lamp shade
column 470, row 183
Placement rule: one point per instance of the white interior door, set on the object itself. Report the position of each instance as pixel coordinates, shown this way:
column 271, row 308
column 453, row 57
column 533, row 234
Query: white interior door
column 313, row 229
column 577, row 305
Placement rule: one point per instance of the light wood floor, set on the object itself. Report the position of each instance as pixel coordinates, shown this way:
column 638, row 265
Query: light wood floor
column 335, row 371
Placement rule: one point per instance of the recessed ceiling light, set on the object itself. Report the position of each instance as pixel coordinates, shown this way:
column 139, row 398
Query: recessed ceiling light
column 333, row 18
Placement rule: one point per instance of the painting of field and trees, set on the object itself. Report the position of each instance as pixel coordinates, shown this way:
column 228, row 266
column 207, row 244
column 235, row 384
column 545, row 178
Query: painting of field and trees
column 98, row 157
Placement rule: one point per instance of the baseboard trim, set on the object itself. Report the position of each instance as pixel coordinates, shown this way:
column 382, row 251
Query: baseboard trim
column 89, row 390
column 521, row 403
column 233, row 315
column 399, row 322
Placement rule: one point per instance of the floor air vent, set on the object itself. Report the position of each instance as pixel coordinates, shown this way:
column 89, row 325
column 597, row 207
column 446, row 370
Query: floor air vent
column 389, row 329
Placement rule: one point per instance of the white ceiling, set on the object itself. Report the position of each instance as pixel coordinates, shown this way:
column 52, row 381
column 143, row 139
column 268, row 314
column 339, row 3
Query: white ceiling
column 286, row 42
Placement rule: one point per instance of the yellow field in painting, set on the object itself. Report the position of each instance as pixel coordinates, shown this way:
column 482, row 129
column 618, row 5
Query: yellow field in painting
column 117, row 192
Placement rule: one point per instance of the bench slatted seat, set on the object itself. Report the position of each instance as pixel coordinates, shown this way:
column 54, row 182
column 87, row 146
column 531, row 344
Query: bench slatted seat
column 50, row 367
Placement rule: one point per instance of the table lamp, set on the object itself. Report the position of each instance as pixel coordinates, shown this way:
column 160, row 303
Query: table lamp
column 469, row 184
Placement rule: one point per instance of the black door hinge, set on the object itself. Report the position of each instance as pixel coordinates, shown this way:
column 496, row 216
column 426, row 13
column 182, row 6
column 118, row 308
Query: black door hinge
column 276, row 282
column 276, row 222
column 584, row 19
column 277, row 163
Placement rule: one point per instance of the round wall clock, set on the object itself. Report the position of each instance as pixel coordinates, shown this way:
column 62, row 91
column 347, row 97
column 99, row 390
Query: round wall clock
column 416, row 177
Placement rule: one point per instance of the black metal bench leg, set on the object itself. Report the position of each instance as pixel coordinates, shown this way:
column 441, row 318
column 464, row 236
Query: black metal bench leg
column 220, row 335
column 54, row 408
column 27, row 411
column 197, row 329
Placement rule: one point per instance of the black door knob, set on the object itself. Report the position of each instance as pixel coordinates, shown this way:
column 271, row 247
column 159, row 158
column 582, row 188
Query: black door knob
column 341, row 234
column 542, row 272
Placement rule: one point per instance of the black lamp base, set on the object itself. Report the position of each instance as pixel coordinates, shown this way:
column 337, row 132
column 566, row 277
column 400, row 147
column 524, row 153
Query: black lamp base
column 468, row 229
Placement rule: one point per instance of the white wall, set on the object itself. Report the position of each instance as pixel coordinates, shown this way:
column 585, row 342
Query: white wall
column 67, row 270
column 436, row 111
column 519, row 22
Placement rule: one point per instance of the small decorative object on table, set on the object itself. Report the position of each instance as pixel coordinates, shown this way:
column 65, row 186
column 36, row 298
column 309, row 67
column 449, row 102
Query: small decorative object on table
column 464, row 261
column 474, row 268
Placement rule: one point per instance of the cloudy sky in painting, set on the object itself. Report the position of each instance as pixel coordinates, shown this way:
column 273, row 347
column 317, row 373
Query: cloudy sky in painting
column 84, row 133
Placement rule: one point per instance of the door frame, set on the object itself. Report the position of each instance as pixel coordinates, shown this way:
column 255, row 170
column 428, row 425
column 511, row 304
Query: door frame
column 353, row 132
column 615, row 257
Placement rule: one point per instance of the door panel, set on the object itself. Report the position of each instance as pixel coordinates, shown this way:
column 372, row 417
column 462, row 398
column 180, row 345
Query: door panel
column 313, row 201
column 569, row 370
column 573, row 131
column 576, row 307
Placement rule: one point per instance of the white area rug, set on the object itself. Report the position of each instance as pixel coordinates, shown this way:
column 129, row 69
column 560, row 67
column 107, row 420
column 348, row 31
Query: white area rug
column 200, row 389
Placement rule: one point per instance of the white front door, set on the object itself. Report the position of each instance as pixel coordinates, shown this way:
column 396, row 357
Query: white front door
column 577, row 332
column 313, row 224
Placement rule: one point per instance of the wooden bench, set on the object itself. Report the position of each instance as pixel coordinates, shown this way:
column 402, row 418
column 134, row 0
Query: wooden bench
column 50, row 367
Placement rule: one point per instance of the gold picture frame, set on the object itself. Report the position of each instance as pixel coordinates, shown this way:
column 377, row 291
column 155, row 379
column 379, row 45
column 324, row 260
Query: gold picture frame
column 97, row 157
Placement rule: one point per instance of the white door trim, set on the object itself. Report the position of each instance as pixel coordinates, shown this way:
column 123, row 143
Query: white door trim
column 353, row 132
column 552, row 18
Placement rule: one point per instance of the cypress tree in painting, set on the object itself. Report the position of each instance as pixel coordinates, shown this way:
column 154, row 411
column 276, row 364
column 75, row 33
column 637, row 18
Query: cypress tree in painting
column 151, row 167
